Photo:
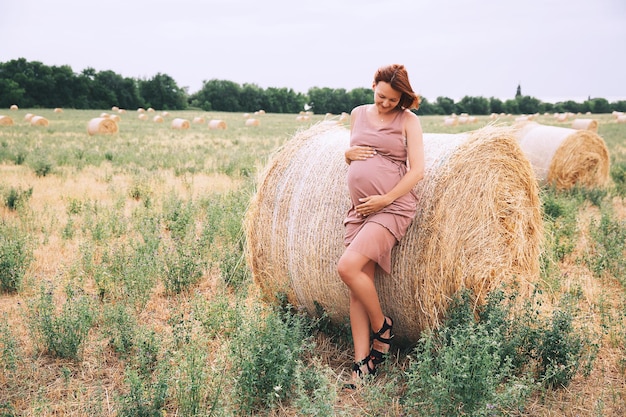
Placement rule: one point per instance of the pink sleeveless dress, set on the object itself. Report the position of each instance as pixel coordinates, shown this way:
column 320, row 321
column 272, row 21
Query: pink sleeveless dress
column 375, row 235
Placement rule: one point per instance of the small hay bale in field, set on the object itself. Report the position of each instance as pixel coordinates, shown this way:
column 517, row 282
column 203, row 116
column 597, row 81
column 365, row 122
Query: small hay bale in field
column 478, row 225
column 157, row 119
column 58, row 110
column 115, row 108
column 5, row 120
column 252, row 122
column 28, row 117
column 198, row 120
column 115, row 118
column 38, row 121
column 585, row 124
column 217, row 124
column 565, row 157
column 179, row 123
column 142, row 116
column 621, row 118
column 101, row 125
column 13, row 107
column 141, row 110
column 450, row 121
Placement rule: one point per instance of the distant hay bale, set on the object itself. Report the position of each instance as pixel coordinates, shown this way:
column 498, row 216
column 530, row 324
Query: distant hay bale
column 142, row 116
column 141, row 110
column 28, row 117
column 5, row 120
column 585, row 124
column 38, row 121
column 179, row 123
column 115, row 117
column 150, row 110
column 58, row 110
column 115, row 108
column 621, row 118
column 450, row 121
column 198, row 120
column 157, row 119
column 252, row 122
column 13, row 107
column 217, row 124
column 101, row 125
column 565, row 157
column 478, row 225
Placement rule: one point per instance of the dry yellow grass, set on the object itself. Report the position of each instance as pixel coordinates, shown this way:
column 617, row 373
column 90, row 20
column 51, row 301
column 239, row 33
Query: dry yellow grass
column 44, row 388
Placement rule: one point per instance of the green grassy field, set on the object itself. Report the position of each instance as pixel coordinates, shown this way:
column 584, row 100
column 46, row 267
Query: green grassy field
column 125, row 291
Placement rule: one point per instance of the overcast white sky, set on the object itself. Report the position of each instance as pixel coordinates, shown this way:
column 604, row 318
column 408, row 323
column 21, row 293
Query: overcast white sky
column 556, row 49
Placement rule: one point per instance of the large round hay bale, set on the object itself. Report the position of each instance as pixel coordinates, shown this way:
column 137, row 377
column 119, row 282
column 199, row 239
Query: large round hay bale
column 478, row 225
column 585, row 124
column 5, row 120
column 565, row 157
column 38, row 121
column 179, row 123
column 101, row 125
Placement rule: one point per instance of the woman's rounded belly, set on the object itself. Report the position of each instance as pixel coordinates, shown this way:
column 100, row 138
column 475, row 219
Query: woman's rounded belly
column 375, row 175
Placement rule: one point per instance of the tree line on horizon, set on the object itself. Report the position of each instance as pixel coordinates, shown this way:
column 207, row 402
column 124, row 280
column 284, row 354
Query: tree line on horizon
column 36, row 85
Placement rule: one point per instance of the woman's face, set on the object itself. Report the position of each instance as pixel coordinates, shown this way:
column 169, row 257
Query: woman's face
column 385, row 97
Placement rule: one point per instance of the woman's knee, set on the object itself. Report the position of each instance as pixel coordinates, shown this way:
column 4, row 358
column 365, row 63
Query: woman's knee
column 345, row 269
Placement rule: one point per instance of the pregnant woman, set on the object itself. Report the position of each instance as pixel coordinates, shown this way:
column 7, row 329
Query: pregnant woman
column 386, row 158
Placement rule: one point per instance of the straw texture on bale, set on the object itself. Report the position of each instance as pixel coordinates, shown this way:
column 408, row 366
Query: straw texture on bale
column 565, row 157
column 179, row 123
column 38, row 121
column 217, row 124
column 101, row 125
column 478, row 225
column 5, row 120
column 585, row 124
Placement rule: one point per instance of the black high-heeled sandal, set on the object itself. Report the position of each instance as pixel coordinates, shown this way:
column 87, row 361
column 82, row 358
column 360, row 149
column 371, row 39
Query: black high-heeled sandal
column 357, row 369
column 377, row 356
column 371, row 370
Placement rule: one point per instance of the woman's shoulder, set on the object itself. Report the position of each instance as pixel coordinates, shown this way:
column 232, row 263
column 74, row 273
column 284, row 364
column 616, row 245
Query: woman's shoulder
column 359, row 109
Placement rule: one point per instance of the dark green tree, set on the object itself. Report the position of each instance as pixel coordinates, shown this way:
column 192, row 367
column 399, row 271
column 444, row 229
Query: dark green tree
column 446, row 105
column 161, row 92
column 496, row 105
column 527, row 105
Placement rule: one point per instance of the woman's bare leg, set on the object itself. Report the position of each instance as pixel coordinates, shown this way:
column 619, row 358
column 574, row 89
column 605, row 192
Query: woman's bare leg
column 357, row 272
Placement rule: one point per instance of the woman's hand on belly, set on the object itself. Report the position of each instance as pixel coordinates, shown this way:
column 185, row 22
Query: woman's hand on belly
column 359, row 153
column 372, row 204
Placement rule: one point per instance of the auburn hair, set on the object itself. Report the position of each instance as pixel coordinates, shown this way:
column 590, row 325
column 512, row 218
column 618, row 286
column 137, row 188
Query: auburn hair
column 397, row 76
